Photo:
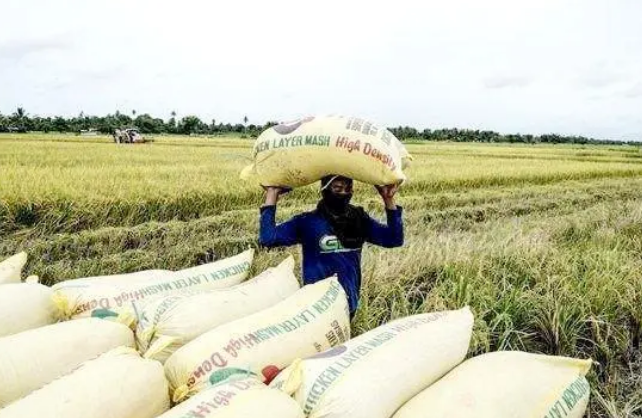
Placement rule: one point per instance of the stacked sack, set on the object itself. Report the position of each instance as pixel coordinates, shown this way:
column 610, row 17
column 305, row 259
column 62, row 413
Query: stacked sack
column 412, row 368
column 11, row 268
column 114, row 297
column 508, row 384
column 168, row 323
column 310, row 321
column 88, row 366
column 372, row 375
column 262, row 347
column 34, row 358
column 301, row 152
column 238, row 396
column 119, row 383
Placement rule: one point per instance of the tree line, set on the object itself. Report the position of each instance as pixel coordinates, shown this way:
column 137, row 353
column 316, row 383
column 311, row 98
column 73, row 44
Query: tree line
column 21, row 121
column 471, row 135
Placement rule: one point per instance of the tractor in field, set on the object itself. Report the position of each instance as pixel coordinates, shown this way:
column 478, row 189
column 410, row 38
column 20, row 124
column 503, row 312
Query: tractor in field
column 128, row 136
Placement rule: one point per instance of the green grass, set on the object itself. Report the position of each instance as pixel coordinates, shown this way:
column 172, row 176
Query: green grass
column 543, row 242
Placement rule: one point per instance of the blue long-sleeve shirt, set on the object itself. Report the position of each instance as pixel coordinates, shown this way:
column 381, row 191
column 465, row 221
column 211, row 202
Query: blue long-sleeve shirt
column 323, row 254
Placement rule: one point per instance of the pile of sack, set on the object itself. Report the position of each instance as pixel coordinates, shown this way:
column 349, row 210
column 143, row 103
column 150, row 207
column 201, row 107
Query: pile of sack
column 131, row 345
column 210, row 341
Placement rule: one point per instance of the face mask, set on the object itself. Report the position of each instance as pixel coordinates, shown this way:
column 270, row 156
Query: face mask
column 337, row 203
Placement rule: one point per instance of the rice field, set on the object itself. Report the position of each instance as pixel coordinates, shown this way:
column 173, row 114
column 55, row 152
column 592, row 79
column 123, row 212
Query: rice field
column 543, row 242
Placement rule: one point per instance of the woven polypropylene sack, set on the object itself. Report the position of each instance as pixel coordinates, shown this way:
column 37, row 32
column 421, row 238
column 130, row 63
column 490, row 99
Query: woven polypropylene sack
column 237, row 397
column 11, row 268
column 372, row 375
column 506, row 384
column 115, row 301
column 33, row 358
column 301, row 152
column 312, row 320
column 168, row 323
column 117, row 384
column 122, row 279
column 24, row 306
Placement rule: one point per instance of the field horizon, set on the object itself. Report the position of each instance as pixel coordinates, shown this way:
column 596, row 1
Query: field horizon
column 543, row 242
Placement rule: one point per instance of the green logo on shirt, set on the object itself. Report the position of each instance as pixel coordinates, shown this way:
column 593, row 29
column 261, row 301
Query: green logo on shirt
column 330, row 244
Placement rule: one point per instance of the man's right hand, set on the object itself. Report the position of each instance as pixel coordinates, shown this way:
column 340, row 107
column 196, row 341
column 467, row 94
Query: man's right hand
column 272, row 194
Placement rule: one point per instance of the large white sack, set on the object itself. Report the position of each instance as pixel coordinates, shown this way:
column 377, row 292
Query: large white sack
column 118, row 384
column 237, row 397
column 25, row 306
column 33, row 358
column 312, row 320
column 303, row 151
column 166, row 324
column 506, row 384
column 122, row 279
column 372, row 375
column 11, row 268
column 105, row 300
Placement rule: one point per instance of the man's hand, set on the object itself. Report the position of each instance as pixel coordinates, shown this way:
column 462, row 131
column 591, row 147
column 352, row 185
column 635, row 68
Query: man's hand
column 387, row 193
column 272, row 194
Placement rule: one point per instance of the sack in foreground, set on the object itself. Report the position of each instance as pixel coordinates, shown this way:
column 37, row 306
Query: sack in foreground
column 103, row 300
column 33, row 358
column 312, row 320
column 117, row 384
column 237, row 397
column 122, row 279
column 11, row 268
column 302, row 152
column 24, row 306
column 506, row 384
column 372, row 375
column 168, row 323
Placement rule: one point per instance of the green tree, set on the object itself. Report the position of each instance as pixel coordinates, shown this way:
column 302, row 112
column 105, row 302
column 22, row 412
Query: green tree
column 190, row 125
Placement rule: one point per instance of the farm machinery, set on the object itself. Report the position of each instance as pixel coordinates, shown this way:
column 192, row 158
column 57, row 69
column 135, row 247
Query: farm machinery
column 128, row 136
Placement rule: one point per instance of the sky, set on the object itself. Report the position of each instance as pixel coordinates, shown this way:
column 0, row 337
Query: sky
column 546, row 66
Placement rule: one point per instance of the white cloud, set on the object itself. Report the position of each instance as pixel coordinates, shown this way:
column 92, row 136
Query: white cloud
column 568, row 66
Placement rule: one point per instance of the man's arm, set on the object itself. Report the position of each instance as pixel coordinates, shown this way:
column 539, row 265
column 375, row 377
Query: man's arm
column 389, row 235
column 271, row 234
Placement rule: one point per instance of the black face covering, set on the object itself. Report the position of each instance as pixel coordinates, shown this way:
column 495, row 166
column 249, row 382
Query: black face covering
column 337, row 203
column 348, row 222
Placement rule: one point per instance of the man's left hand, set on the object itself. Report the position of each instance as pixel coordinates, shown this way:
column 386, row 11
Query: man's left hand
column 387, row 193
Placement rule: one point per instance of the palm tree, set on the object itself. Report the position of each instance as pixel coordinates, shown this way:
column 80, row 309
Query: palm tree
column 18, row 117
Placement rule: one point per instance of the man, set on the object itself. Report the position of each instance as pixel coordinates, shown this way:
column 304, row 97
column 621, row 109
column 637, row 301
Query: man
column 333, row 235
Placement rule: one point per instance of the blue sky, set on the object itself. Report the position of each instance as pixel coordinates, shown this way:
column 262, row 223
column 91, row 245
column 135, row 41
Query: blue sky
column 571, row 67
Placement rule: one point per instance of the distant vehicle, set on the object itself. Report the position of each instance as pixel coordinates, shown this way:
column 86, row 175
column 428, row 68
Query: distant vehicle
column 17, row 129
column 89, row 132
column 128, row 136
